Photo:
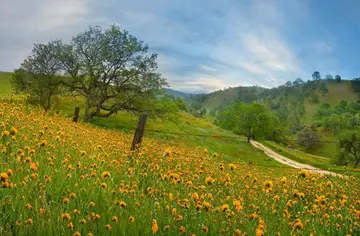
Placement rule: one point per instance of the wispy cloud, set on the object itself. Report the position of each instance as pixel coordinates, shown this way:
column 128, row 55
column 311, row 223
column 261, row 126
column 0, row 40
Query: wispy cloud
column 202, row 45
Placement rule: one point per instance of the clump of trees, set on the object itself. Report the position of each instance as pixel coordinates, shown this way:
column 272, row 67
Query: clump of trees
column 111, row 69
column 308, row 137
column 251, row 120
column 344, row 115
column 355, row 84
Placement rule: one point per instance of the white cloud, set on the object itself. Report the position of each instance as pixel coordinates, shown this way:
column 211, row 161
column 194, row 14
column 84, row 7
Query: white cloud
column 207, row 68
column 202, row 45
column 27, row 22
column 57, row 14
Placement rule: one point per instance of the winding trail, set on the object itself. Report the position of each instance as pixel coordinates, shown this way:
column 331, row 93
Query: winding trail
column 289, row 162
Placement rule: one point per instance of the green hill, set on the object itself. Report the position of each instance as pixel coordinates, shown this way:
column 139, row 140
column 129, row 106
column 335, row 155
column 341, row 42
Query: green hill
column 204, row 134
column 337, row 92
column 278, row 97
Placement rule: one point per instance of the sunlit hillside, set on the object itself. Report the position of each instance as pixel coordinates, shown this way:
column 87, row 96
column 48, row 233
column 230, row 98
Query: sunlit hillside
column 72, row 178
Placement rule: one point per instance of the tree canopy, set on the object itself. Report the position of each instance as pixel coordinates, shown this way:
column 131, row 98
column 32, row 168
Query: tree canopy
column 350, row 145
column 39, row 75
column 251, row 120
column 110, row 68
column 316, row 76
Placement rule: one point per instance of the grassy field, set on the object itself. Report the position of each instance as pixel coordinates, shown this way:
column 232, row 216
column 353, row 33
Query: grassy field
column 5, row 87
column 231, row 146
column 219, row 140
column 65, row 178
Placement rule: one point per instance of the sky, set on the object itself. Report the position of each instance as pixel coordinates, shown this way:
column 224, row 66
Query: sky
column 203, row 45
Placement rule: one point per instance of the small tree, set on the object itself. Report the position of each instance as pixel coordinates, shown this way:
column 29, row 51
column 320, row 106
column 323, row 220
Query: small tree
column 355, row 84
column 38, row 75
column 314, row 98
column 251, row 120
column 288, row 84
column 350, row 144
column 298, row 81
column 338, row 78
column 323, row 89
column 294, row 122
column 335, row 123
column 203, row 112
column 308, row 137
column 329, row 77
column 324, row 110
column 316, row 76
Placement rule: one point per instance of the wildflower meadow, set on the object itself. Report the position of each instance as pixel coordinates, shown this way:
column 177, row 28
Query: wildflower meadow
column 64, row 178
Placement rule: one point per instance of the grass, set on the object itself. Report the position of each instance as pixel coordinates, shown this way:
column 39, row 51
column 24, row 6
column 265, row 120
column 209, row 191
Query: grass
column 62, row 178
column 232, row 147
column 5, row 87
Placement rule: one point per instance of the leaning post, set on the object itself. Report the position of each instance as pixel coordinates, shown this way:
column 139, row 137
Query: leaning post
column 76, row 114
column 139, row 133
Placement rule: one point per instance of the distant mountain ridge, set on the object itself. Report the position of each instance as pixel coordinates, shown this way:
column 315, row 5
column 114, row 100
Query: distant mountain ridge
column 177, row 93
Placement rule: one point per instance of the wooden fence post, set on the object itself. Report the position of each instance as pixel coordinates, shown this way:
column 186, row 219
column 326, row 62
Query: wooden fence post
column 76, row 114
column 139, row 133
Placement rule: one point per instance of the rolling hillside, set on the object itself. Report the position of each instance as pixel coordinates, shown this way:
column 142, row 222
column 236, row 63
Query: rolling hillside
column 221, row 98
column 177, row 93
column 170, row 131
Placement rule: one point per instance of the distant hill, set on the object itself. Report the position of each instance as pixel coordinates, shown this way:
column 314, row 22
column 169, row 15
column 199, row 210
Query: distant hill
column 178, row 93
column 283, row 99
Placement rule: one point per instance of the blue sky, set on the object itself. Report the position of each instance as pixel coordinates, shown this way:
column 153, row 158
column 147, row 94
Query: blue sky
column 203, row 45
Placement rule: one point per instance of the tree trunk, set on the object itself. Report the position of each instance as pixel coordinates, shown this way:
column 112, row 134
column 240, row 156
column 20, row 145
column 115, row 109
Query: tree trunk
column 357, row 161
column 248, row 139
column 87, row 107
column 48, row 105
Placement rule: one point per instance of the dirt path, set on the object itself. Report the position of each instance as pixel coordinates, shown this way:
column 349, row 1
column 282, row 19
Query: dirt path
column 289, row 162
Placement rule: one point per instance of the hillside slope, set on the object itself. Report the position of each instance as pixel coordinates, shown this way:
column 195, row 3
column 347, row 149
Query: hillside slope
column 60, row 177
column 222, row 98
column 5, row 88
column 203, row 134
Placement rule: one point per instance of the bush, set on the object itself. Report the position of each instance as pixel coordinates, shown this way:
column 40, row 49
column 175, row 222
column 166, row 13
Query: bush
column 308, row 137
column 314, row 98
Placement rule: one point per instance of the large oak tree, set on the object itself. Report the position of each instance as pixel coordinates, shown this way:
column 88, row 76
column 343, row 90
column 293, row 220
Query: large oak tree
column 112, row 70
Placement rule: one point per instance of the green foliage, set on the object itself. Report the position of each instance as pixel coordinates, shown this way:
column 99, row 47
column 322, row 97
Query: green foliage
column 308, row 137
column 335, row 123
column 167, row 107
column 314, row 98
column 6, row 88
column 112, row 70
column 355, row 84
column 324, row 110
column 338, row 78
column 251, row 120
column 323, row 89
column 38, row 75
column 350, row 145
column 329, row 77
column 316, row 76
column 288, row 84
column 294, row 122
column 298, row 81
